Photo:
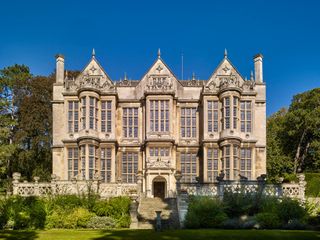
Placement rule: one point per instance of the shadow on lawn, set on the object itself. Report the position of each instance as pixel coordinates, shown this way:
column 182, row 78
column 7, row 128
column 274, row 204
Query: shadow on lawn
column 138, row 235
column 209, row 234
column 18, row 235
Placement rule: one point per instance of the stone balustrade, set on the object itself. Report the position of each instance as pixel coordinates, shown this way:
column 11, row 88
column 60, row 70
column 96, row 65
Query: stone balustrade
column 292, row 190
column 58, row 187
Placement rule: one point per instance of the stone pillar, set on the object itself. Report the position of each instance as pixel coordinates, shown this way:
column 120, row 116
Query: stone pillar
column 258, row 68
column 302, row 187
column 178, row 177
column 220, row 188
column 53, row 184
column 139, row 183
column 15, row 183
column 36, row 186
column 119, row 190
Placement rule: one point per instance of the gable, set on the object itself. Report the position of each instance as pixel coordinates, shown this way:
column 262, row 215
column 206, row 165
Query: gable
column 225, row 76
column 159, row 78
column 92, row 76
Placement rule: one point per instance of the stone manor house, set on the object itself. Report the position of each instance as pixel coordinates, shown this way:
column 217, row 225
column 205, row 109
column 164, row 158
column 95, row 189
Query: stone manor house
column 152, row 129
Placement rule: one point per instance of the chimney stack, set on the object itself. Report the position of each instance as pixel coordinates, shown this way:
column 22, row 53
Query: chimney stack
column 59, row 68
column 258, row 73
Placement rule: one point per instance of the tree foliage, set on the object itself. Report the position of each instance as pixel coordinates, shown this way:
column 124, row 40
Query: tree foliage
column 293, row 136
column 25, row 122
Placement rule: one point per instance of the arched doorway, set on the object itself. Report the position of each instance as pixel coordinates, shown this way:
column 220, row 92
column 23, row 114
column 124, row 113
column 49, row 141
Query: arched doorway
column 159, row 187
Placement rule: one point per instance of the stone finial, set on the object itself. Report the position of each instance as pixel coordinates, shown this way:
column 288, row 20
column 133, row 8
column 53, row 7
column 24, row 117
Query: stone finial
column 251, row 76
column 36, row 179
column 93, row 52
column 16, row 176
column 193, row 76
column 159, row 53
column 125, row 76
column 225, row 53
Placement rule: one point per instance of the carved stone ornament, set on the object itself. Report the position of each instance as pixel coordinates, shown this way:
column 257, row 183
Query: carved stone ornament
column 193, row 83
column 89, row 80
column 125, row 83
column 159, row 83
column 229, row 81
column 211, row 86
column 158, row 163
column 248, row 85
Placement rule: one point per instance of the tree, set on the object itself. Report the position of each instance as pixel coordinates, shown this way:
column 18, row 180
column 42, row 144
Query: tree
column 278, row 162
column 302, row 135
column 34, row 133
column 293, row 136
column 13, row 82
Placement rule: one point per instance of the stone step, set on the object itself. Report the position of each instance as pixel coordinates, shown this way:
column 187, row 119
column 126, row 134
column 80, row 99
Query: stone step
column 147, row 214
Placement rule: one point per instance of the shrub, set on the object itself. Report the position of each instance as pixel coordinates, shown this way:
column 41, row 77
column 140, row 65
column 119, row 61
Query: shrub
column 65, row 202
column 313, row 184
column 3, row 213
column 290, row 209
column 231, row 223
column 268, row 220
column 74, row 218
column 25, row 212
column 295, row 224
column 97, row 222
column 237, row 204
column 123, row 222
column 116, row 207
column 204, row 212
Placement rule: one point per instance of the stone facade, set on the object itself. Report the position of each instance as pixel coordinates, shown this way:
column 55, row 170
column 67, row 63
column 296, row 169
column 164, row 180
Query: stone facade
column 155, row 129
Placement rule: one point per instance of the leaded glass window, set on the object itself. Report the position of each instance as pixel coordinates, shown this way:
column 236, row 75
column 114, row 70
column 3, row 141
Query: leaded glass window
column 130, row 122
column 73, row 162
column 105, row 164
column 188, row 124
column 246, row 162
column 213, row 161
column 188, row 163
column 246, row 116
column 159, row 115
column 106, row 116
column 129, row 167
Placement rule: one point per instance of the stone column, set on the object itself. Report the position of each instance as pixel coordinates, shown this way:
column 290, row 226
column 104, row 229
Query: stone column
column 178, row 177
column 302, row 187
column 36, row 186
column 53, row 184
column 15, row 183
column 139, row 184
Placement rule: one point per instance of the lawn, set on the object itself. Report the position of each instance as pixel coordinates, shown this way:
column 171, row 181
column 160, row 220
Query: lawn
column 166, row 235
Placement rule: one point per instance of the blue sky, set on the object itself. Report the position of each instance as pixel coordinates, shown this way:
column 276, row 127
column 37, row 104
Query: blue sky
column 127, row 34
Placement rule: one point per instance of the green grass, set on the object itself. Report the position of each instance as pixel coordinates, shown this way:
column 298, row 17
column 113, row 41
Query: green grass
column 166, row 235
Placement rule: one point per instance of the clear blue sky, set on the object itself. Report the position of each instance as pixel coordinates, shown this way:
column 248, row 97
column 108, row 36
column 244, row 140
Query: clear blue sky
column 127, row 34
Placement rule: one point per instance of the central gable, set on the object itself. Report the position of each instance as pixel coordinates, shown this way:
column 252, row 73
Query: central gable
column 92, row 76
column 226, row 76
column 159, row 79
